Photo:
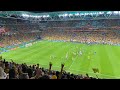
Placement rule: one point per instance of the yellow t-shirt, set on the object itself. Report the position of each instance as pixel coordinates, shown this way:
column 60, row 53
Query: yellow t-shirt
column 54, row 77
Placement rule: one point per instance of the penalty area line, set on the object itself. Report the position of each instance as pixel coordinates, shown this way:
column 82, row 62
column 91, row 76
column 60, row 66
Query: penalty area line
column 71, row 64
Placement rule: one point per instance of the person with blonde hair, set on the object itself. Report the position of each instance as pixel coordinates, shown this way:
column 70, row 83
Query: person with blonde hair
column 3, row 75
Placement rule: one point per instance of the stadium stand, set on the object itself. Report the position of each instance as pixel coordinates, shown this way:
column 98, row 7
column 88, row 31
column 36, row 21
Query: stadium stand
column 14, row 32
column 12, row 70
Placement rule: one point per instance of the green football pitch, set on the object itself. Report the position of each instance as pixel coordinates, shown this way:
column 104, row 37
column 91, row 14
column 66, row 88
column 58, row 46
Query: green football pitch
column 104, row 57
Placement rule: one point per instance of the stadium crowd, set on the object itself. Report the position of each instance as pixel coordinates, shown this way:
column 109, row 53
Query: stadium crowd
column 13, row 39
column 86, row 31
column 102, row 37
column 17, row 32
column 12, row 70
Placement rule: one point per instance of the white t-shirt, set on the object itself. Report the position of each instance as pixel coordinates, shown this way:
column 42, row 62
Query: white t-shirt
column 3, row 75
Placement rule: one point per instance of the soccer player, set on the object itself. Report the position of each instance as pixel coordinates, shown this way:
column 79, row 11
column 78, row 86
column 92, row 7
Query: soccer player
column 88, row 57
column 72, row 59
column 94, row 52
column 0, row 57
column 67, row 55
column 80, row 53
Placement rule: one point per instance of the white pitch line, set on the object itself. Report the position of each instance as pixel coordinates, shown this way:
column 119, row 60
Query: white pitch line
column 71, row 65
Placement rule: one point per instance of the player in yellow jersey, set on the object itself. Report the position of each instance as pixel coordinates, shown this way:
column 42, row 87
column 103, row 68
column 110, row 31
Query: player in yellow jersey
column 0, row 57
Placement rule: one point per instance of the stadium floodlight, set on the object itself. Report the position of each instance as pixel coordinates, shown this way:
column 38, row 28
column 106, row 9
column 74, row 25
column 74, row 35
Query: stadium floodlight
column 35, row 16
column 119, row 12
column 59, row 15
column 116, row 12
column 47, row 15
column 109, row 12
column 25, row 15
column 90, row 13
column 100, row 12
column 38, row 16
column 44, row 16
column 77, row 14
column 94, row 13
column 65, row 15
column 70, row 15
column 86, row 13
column 81, row 14
column 30, row 16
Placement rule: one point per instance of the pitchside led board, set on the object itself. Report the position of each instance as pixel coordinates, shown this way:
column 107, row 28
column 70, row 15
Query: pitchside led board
column 83, row 43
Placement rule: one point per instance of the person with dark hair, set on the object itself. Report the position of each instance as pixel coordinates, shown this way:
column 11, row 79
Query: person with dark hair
column 16, row 71
column 57, row 74
column 24, row 68
column 24, row 76
column 87, row 75
column 38, row 73
column 71, row 76
column 38, row 65
column 30, row 72
column 4, row 61
column 12, row 73
column 45, row 77
column 7, row 67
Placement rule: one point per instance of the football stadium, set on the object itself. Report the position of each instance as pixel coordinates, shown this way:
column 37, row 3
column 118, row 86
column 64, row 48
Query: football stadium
column 60, row 45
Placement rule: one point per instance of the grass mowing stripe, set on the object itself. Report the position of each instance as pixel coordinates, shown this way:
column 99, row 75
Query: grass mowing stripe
column 31, row 54
column 19, row 55
column 39, row 52
column 84, row 60
column 114, row 58
column 43, row 59
column 77, row 59
column 91, row 60
column 18, row 52
column 44, row 54
column 106, row 66
column 62, row 54
column 95, row 62
column 57, row 52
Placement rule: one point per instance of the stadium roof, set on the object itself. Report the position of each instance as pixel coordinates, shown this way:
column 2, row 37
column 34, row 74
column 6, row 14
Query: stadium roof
column 40, row 11
column 61, row 15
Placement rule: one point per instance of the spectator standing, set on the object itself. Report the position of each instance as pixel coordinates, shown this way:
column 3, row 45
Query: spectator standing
column 3, row 75
column 12, row 73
